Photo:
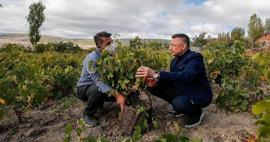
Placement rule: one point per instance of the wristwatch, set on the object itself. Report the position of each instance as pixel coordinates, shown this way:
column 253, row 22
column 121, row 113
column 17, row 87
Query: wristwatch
column 156, row 75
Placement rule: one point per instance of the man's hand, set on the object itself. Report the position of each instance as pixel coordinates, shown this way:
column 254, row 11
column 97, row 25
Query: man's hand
column 150, row 82
column 144, row 71
column 120, row 100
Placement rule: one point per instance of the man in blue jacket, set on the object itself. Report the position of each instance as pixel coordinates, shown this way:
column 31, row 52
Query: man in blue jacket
column 186, row 86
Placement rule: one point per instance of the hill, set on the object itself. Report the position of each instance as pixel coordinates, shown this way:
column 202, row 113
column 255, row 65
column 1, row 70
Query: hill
column 23, row 39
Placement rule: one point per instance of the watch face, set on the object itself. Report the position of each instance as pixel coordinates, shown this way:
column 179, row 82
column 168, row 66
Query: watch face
column 155, row 75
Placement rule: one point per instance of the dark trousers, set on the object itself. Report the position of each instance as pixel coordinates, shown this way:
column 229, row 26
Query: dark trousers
column 94, row 98
column 182, row 104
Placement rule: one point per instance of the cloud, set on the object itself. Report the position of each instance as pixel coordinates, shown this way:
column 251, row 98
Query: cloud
column 148, row 19
column 210, row 28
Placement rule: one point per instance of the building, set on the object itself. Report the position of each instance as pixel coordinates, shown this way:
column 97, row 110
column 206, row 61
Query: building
column 264, row 41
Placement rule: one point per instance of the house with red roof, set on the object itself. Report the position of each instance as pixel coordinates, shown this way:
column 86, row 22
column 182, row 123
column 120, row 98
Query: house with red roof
column 264, row 41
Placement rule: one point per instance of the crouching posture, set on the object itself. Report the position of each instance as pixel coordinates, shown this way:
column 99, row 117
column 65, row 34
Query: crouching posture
column 90, row 88
column 186, row 86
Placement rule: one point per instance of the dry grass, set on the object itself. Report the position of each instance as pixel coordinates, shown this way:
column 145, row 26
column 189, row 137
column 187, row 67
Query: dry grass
column 23, row 39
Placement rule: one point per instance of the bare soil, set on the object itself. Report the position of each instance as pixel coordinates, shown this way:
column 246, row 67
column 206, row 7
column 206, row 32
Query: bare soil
column 47, row 123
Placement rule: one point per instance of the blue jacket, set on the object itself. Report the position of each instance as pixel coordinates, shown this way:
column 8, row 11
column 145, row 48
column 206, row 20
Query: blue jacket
column 188, row 75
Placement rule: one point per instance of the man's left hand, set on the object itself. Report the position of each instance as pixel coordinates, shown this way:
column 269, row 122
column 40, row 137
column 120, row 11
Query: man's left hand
column 120, row 100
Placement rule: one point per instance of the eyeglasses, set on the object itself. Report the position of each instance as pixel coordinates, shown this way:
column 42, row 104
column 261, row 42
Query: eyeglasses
column 176, row 45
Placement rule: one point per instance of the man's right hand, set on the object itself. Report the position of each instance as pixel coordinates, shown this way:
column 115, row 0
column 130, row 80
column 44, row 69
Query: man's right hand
column 150, row 82
column 144, row 71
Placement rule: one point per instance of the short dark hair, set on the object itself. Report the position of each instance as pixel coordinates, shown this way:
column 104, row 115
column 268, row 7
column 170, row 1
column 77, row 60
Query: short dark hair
column 185, row 38
column 97, row 37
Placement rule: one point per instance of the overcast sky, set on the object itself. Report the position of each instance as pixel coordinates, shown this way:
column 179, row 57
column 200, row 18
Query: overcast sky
column 145, row 18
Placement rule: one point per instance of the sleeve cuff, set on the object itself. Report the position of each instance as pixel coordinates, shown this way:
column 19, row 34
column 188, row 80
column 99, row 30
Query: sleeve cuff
column 102, row 87
column 162, row 75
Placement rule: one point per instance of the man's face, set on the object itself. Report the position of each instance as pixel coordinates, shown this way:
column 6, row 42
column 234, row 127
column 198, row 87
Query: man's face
column 106, row 41
column 177, row 46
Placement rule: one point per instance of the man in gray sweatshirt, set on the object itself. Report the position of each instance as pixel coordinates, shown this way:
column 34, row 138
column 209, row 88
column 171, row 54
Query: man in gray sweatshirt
column 89, row 86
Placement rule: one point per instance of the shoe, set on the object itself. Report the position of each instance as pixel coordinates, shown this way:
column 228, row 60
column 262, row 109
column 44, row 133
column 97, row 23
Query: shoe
column 90, row 121
column 177, row 114
column 193, row 121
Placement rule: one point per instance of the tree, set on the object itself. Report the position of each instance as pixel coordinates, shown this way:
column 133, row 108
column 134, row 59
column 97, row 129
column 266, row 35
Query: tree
column 255, row 28
column 136, row 42
column 224, row 37
column 1, row 5
column 267, row 26
column 35, row 18
column 199, row 41
column 237, row 34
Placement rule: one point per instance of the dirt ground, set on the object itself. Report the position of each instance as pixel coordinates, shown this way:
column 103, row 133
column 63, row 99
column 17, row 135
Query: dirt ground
column 47, row 123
